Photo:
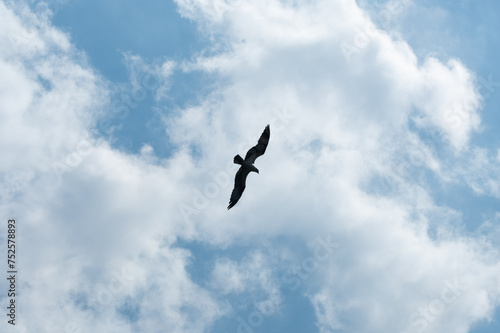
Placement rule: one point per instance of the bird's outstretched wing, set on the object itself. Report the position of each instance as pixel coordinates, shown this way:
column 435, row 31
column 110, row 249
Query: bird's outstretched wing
column 239, row 186
column 260, row 148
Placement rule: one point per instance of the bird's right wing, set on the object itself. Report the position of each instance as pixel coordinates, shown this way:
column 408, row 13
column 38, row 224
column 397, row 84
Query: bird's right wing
column 260, row 148
column 239, row 186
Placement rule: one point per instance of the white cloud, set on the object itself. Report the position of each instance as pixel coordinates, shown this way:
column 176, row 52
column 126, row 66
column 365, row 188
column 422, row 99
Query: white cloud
column 144, row 76
column 253, row 273
column 352, row 123
column 452, row 109
column 101, row 240
column 87, row 250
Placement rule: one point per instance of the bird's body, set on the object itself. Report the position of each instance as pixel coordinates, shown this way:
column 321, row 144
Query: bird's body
column 247, row 166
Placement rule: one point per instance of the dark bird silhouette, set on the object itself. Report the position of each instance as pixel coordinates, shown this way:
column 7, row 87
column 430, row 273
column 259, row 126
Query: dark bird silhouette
column 247, row 166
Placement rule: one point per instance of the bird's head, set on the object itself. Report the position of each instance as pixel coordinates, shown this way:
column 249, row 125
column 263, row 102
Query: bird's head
column 254, row 169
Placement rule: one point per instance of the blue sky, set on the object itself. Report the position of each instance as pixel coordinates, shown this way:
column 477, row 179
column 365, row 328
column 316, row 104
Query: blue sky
column 376, row 207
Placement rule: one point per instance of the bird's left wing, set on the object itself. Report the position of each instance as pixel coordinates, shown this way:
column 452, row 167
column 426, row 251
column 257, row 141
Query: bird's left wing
column 239, row 186
column 260, row 148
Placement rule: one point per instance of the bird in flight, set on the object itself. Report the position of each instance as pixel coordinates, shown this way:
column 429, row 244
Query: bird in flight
column 247, row 166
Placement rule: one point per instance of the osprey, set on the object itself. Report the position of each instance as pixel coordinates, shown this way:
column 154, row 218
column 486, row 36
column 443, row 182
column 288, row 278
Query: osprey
column 247, row 166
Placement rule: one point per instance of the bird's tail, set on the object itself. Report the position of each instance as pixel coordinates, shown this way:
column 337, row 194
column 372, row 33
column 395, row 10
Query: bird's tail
column 238, row 160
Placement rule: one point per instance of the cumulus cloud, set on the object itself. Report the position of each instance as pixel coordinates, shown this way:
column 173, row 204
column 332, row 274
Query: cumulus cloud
column 360, row 114
column 70, row 193
column 342, row 124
